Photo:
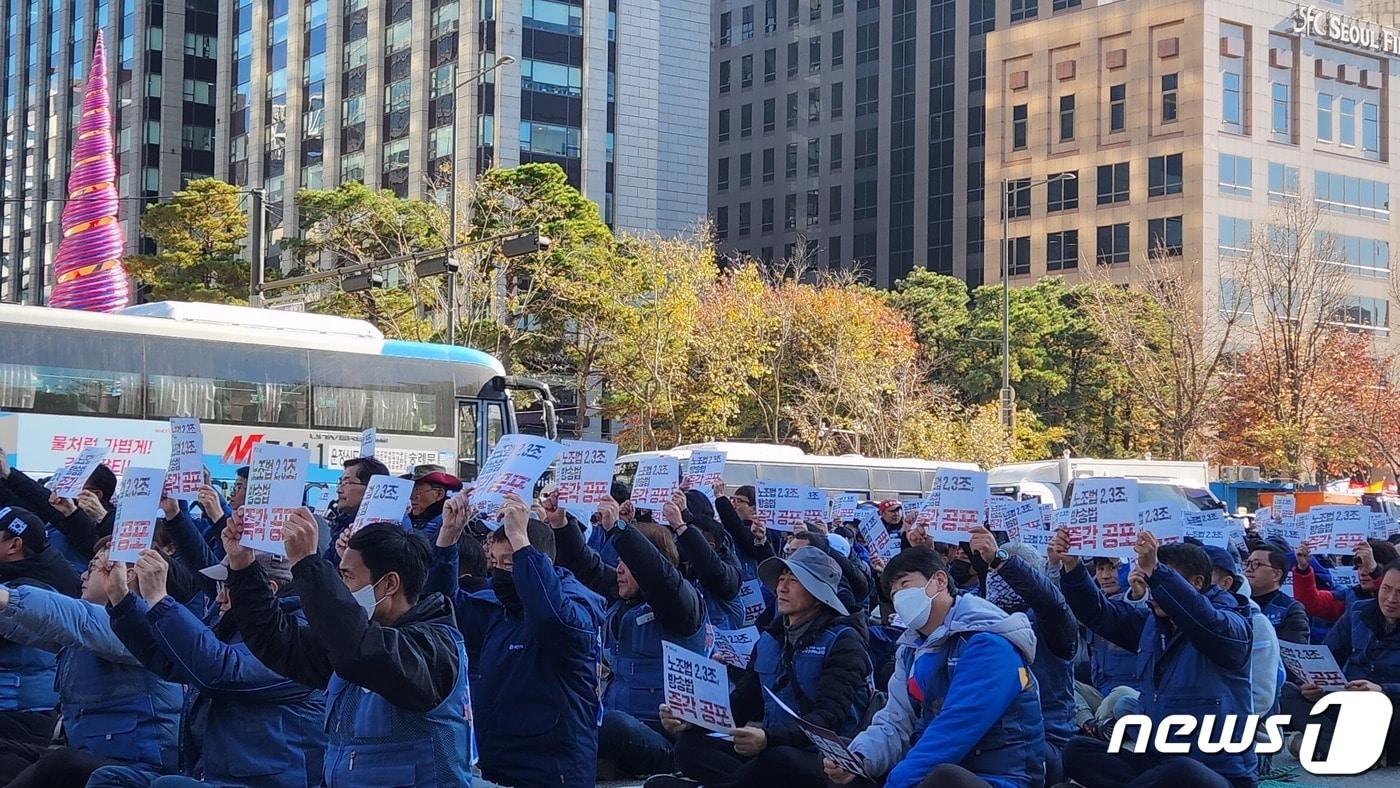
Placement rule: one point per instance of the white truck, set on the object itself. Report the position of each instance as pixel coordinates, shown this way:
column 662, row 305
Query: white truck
column 1183, row 483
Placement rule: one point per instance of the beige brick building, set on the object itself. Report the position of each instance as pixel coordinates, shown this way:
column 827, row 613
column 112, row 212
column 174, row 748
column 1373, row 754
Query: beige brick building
column 1187, row 123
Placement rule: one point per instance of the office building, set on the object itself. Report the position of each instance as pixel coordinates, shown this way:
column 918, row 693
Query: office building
column 404, row 95
column 1188, row 123
column 849, row 133
column 161, row 56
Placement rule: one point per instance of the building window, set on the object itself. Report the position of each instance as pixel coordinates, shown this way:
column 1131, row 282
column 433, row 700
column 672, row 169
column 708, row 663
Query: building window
column 724, row 77
column 1164, row 236
column 770, row 120
column 768, row 165
column 1336, row 193
column 1283, row 181
column 1018, row 127
column 1018, row 198
column 722, row 174
column 867, row 148
column 745, row 218
column 1364, row 312
column 725, row 20
column 833, row 204
column 770, row 65
column 1024, row 9
column 1236, row 175
column 794, row 13
column 814, row 105
column 838, row 49
column 722, row 222
column 1064, row 5
column 1019, row 255
column 745, row 169
column 1164, row 175
column 1235, row 298
column 867, row 200
column 791, row 110
column 767, row 216
column 792, row 53
column 746, row 121
column 868, row 43
column 814, row 209
column 814, row 10
column 1324, row 117
column 1236, row 237
column 770, row 17
column 1062, row 193
column 1169, row 82
column 1346, row 127
column 1232, row 100
column 867, row 95
column 1062, row 250
column 790, row 212
column 833, row 252
column 746, row 25
column 723, row 134
column 1366, row 257
column 1066, row 118
column 814, row 55
column 1370, row 128
column 837, row 149
column 1112, row 244
column 1279, row 109
column 1117, row 108
column 1113, row 183
column 790, row 160
column 746, row 71
column 814, row 157
column 837, row 99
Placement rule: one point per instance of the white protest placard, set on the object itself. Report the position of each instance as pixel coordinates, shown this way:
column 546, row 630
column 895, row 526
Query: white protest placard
column 1164, row 520
column 1313, row 664
column 1290, row 530
column 69, row 480
column 782, row 507
column 1382, row 526
column 703, row 471
column 751, row 597
column 1091, row 535
column 1262, row 517
column 1209, row 527
column 829, row 743
column 1282, row 507
column 186, row 473
column 137, row 510
column 515, row 464
column 1343, row 577
column 385, row 501
column 997, row 508
column 1024, row 514
column 583, row 476
column 656, row 478
column 815, row 507
column 1117, row 498
column 923, row 511
column 735, row 646
column 1337, row 530
column 368, row 438
column 962, row 502
column 696, row 688
column 1036, row 535
column 843, row 506
column 276, row 482
column 877, row 538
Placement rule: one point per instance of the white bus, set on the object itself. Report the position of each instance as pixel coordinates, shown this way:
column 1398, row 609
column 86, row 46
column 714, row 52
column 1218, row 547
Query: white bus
column 70, row 379
column 873, row 478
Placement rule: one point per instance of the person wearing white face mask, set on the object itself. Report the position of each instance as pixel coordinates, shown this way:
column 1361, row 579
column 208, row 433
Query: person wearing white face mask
column 963, row 708
column 393, row 664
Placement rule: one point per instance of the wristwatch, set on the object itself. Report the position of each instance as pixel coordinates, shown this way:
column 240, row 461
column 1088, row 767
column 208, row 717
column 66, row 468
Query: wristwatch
column 1000, row 558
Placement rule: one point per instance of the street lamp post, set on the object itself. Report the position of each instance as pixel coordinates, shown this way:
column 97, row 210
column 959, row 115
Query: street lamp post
column 1008, row 395
column 502, row 61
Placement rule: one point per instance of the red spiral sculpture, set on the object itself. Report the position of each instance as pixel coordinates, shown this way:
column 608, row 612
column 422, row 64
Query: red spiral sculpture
column 88, row 269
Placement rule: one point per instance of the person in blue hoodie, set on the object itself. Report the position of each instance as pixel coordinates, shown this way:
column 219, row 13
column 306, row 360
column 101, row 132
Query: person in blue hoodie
column 1194, row 643
column 113, row 710
column 532, row 639
column 963, row 708
column 243, row 723
column 1014, row 580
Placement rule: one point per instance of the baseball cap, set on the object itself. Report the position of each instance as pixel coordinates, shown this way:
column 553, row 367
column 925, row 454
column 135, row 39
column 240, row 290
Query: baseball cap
column 23, row 523
column 1221, row 559
column 274, row 566
column 839, row 543
column 885, row 506
column 815, row 570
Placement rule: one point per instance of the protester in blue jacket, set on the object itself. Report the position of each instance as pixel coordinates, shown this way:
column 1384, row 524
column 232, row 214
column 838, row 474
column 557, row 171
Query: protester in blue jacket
column 113, row 710
column 1015, row 581
column 962, row 708
column 651, row 602
column 243, row 724
column 1194, row 644
column 75, row 525
column 534, row 644
column 391, row 659
column 810, row 662
column 706, row 559
column 431, row 484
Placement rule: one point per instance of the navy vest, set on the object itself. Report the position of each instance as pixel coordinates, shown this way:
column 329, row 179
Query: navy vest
column 122, row 712
column 797, row 684
column 373, row 742
column 635, row 658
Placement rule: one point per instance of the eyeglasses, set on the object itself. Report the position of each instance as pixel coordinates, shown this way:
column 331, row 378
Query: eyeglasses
column 744, row 501
column 1256, row 564
column 351, row 482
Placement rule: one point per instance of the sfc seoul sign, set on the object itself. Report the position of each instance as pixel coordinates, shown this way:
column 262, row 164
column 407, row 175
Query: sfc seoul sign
column 1324, row 24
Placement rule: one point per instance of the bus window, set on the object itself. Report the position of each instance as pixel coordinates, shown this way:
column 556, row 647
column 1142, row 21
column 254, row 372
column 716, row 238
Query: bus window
column 495, row 423
column 904, row 481
column 737, row 474
column 787, row 474
column 83, row 373
column 225, row 383
column 408, row 396
column 844, row 478
column 468, row 416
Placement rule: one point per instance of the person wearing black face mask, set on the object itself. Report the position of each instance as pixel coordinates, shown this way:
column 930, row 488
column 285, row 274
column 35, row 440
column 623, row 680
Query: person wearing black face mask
column 961, row 570
column 532, row 643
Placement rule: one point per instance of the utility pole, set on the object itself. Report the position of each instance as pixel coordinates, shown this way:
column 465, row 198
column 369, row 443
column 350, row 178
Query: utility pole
column 257, row 222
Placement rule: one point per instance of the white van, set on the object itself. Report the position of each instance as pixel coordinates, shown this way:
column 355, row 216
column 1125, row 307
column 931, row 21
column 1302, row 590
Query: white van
column 874, row 479
column 1185, row 484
